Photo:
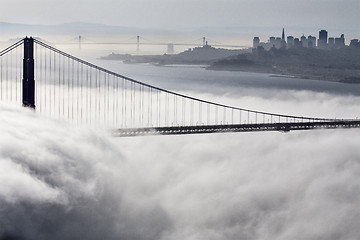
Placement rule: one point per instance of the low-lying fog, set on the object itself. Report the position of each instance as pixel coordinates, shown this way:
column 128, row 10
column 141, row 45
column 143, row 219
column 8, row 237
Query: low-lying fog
column 60, row 181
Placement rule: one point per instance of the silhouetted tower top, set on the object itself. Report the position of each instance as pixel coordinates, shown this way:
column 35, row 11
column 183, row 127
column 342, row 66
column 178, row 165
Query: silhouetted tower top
column 137, row 44
column 323, row 39
column 323, row 34
column 283, row 35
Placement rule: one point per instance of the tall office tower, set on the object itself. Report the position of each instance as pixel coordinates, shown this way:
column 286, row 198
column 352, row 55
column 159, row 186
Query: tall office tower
column 256, row 42
column 322, row 42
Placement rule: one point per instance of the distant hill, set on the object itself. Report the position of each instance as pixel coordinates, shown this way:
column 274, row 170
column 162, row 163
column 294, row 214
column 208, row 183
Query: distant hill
column 333, row 65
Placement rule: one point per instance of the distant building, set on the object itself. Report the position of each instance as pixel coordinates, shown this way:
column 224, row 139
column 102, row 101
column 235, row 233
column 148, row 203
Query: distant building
column 297, row 43
column 323, row 37
column 331, row 42
column 272, row 41
column 311, row 41
column 354, row 43
column 340, row 42
column 290, row 41
column 256, row 42
column 278, row 43
column 304, row 41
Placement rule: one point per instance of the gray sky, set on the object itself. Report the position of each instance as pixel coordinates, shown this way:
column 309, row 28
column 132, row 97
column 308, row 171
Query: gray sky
column 335, row 14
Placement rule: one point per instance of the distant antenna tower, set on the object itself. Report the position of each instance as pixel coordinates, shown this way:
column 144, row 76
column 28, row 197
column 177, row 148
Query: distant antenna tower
column 79, row 41
column 138, row 44
column 204, row 41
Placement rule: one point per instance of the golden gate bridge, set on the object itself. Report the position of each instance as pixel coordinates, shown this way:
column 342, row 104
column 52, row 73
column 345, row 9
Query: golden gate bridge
column 59, row 85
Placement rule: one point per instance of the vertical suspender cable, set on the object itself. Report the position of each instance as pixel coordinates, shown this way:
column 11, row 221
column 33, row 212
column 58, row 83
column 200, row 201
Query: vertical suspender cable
column 125, row 102
column 45, row 80
column 208, row 114
column 88, row 93
column 108, row 96
column 117, row 102
column 50, row 71
column 54, row 83
column 68, row 89
column 7, row 78
column 122, row 101
column 59, row 90
column 63, row 87
column 200, row 113
column 1, row 76
column 81, row 92
column 11, row 80
column 158, row 107
column 16, row 73
column 232, row 116
column 114, row 102
column 175, row 112
column 72, row 90
column 77, row 91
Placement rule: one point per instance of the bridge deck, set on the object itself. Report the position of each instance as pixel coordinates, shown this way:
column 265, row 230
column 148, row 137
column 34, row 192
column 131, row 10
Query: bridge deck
column 282, row 127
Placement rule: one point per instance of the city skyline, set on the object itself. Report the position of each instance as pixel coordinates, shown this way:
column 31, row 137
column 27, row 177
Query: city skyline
column 323, row 41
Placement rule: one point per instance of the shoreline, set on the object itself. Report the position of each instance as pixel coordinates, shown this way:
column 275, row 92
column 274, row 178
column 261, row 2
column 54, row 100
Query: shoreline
column 328, row 78
column 264, row 70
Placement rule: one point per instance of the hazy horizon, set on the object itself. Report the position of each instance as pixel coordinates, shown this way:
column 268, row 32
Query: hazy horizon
column 63, row 176
column 229, row 19
column 169, row 14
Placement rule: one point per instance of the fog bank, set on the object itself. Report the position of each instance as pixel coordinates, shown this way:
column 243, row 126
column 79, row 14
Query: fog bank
column 64, row 182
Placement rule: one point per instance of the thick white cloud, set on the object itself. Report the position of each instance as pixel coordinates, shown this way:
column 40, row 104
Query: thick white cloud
column 63, row 182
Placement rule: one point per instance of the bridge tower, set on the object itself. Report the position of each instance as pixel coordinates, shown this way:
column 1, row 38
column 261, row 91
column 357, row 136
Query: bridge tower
column 138, row 44
column 28, row 74
column 79, row 41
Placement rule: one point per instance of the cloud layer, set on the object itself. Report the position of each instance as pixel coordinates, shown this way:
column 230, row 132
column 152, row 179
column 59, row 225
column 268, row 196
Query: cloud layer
column 63, row 182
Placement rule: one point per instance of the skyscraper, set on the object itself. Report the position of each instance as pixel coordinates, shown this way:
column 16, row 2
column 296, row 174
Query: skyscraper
column 322, row 42
column 256, row 42
column 283, row 35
